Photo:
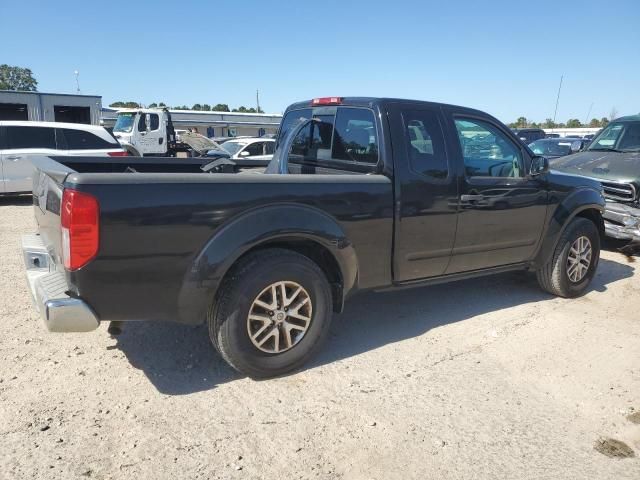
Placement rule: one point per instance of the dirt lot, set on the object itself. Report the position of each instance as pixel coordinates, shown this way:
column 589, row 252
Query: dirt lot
column 481, row 379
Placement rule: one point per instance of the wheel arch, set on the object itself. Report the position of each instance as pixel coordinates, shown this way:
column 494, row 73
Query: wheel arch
column 585, row 203
column 303, row 229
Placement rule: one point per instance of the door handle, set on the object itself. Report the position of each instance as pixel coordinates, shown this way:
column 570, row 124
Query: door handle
column 13, row 158
column 471, row 198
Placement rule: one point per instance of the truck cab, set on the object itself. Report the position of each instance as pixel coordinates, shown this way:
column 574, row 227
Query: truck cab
column 145, row 131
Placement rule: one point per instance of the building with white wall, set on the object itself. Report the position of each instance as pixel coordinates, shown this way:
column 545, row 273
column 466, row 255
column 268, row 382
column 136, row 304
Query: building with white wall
column 581, row 132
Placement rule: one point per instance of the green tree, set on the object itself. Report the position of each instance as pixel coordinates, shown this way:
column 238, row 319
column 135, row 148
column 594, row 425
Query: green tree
column 521, row 122
column 594, row 123
column 181, row 107
column 197, row 107
column 241, row 109
column 17, row 78
column 548, row 123
column 153, row 105
column 220, row 107
column 206, row 107
column 573, row 123
column 125, row 105
column 604, row 121
column 162, row 104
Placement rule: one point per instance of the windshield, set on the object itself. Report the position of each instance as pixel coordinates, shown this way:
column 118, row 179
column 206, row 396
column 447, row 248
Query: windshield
column 551, row 147
column 233, row 146
column 124, row 122
column 620, row 136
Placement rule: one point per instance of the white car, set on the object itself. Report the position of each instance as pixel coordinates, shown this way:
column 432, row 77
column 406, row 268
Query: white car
column 21, row 139
column 250, row 148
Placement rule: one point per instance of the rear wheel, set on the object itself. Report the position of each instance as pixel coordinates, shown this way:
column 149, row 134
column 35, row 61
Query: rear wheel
column 574, row 262
column 272, row 313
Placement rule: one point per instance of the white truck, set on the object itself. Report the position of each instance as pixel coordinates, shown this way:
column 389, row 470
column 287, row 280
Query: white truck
column 150, row 132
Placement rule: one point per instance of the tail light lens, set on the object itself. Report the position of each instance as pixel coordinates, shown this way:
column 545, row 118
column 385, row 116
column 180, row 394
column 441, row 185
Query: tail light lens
column 120, row 153
column 79, row 219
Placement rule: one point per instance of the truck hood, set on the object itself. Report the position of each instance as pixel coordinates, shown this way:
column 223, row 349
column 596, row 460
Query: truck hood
column 200, row 143
column 616, row 166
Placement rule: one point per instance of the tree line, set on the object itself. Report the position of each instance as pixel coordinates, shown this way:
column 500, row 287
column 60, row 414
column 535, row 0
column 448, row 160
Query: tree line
column 205, row 107
column 522, row 122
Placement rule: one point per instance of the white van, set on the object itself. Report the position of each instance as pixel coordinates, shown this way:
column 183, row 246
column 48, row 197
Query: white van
column 21, row 139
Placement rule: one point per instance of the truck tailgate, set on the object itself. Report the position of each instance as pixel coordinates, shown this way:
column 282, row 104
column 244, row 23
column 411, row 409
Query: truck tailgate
column 42, row 253
column 47, row 195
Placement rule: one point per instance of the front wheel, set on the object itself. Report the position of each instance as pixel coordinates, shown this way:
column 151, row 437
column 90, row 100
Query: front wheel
column 272, row 314
column 574, row 262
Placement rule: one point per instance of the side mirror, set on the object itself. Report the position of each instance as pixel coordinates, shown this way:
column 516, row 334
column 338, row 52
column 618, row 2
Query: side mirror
column 539, row 165
column 147, row 121
column 244, row 154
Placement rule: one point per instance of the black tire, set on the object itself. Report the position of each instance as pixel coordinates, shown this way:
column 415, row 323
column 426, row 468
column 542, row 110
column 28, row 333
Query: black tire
column 553, row 277
column 227, row 319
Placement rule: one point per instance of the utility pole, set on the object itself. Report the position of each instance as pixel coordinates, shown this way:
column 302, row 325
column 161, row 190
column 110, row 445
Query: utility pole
column 77, row 74
column 557, row 101
column 258, row 100
column 586, row 120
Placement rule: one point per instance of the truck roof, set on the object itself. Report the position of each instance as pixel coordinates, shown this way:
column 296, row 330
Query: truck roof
column 628, row 118
column 368, row 101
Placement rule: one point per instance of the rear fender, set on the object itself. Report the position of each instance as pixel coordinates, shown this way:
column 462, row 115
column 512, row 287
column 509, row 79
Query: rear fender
column 277, row 224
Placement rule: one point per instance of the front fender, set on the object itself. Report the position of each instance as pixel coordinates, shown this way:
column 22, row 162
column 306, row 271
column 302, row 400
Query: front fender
column 281, row 223
column 564, row 212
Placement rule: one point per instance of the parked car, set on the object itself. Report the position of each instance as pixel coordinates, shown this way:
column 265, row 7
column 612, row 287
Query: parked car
column 258, row 148
column 552, row 135
column 613, row 157
column 557, row 147
column 353, row 200
column 21, row 139
column 528, row 135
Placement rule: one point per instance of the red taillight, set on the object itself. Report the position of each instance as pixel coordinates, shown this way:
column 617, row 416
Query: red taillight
column 327, row 101
column 79, row 215
column 120, row 153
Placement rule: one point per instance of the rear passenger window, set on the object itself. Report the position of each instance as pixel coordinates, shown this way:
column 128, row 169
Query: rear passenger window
column 30, row 137
column 82, row 140
column 425, row 143
column 339, row 136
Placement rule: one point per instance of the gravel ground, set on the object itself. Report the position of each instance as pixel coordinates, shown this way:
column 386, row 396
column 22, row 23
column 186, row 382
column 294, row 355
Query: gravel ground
column 483, row 379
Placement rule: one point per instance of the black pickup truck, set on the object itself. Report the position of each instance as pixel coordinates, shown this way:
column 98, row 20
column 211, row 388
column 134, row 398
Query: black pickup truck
column 362, row 194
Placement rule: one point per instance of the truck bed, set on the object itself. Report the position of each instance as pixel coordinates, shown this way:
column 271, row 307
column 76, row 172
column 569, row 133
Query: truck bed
column 144, row 164
column 157, row 228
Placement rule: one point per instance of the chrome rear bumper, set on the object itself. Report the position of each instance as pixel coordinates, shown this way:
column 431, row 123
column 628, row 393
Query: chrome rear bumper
column 60, row 312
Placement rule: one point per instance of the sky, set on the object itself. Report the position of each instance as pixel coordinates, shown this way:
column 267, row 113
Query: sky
column 503, row 57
